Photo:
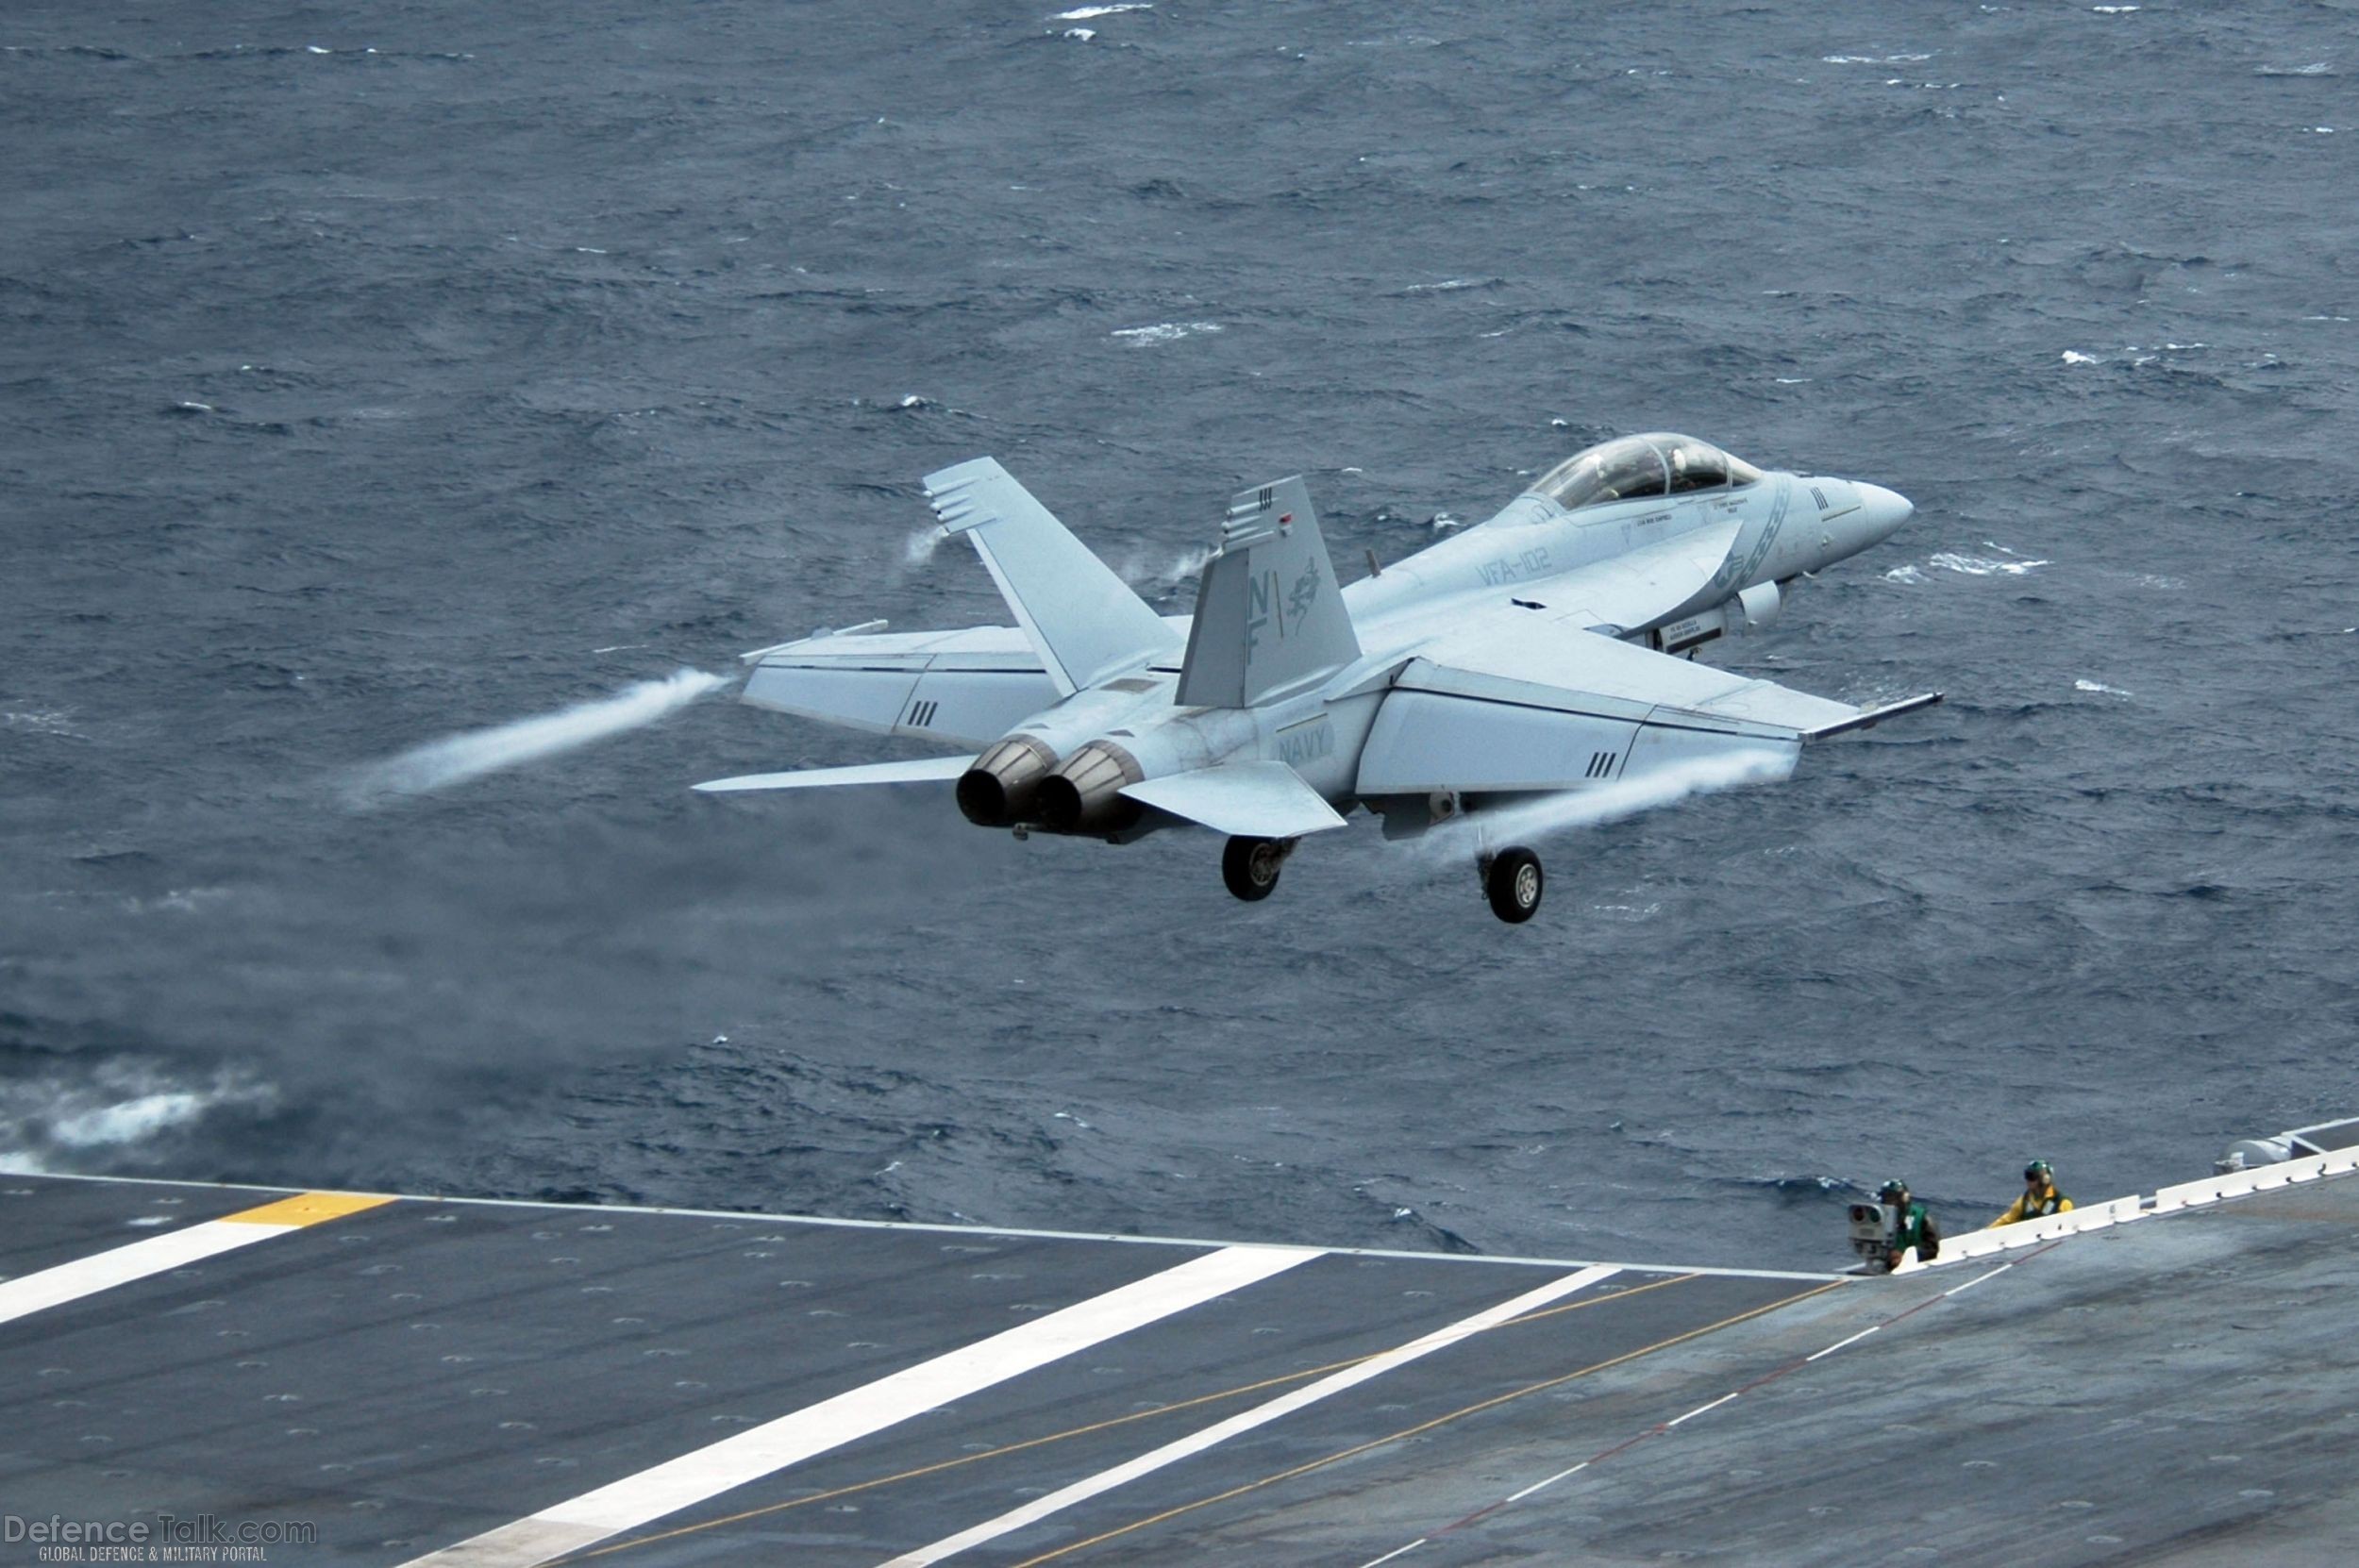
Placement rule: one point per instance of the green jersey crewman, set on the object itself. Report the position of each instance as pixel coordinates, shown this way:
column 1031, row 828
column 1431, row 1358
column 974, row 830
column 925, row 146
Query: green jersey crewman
column 1915, row 1228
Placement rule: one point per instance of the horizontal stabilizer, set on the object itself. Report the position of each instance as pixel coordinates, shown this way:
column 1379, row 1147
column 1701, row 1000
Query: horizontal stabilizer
column 946, row 688
column 924, row 770
column 1085, row 622
column 1253, row 800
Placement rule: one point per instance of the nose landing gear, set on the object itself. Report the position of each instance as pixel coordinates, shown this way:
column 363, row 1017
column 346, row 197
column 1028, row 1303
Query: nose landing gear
column 1513, row 882
column 1249, row 866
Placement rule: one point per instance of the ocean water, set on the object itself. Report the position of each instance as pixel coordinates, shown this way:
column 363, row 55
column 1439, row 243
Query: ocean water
column 375, row 375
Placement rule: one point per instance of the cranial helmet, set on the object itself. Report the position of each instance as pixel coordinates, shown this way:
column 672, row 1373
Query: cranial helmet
column 2039, row 1169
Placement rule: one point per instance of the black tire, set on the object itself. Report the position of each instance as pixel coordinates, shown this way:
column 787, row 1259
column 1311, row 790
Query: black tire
column 1515, row 883
column 1249, row 866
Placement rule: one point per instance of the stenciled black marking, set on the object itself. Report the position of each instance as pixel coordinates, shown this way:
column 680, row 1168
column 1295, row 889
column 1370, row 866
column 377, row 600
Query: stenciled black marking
column 1732, row 573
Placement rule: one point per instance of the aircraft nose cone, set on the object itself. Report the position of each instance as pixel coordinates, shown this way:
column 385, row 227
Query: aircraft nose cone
column 1881, row 512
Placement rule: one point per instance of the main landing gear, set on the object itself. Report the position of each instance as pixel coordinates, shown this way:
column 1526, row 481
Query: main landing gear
column 1512, row 879
column 1513, row 882
column 1249, row 866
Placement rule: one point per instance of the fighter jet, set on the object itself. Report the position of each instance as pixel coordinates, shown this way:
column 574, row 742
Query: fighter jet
column 1549, row 650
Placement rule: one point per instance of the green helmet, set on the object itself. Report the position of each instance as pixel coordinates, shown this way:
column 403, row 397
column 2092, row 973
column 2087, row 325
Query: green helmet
column 2039, row 1170
column 1895, row 1188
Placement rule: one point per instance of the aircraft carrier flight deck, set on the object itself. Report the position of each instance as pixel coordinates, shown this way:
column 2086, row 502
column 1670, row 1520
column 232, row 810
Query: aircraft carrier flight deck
column 353, row 1379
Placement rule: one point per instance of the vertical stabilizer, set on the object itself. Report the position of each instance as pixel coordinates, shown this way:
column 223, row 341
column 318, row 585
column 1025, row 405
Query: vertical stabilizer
column 1269, row 616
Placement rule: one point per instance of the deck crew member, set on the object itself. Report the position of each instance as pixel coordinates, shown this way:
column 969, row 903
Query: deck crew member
column 1915, row 1228
column 2040, row 1196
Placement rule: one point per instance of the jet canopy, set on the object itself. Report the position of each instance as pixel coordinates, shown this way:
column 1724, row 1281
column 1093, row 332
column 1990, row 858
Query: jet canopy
column 1636, row 467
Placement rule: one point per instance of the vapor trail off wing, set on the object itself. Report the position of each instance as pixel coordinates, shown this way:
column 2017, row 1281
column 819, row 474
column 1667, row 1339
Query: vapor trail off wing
column 1547, row 709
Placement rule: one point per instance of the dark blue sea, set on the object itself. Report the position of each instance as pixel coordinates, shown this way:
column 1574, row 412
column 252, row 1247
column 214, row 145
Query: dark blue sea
column 370, row 373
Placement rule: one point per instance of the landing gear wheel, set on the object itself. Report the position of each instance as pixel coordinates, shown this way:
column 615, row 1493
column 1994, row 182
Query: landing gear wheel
column 1249, row 866
column 1511, row 880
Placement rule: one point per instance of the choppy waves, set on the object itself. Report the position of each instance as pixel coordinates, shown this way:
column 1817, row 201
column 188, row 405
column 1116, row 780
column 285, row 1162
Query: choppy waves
column 324, row 446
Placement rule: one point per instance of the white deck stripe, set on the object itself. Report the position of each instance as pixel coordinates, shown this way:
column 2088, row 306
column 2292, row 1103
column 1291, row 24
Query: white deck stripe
column 708, row 1472
column 1701, row 1409
column 1978, row 1280
column 1840, row 1344
column 150, row 1255
column 1245, row 1421
column 1547, row 1481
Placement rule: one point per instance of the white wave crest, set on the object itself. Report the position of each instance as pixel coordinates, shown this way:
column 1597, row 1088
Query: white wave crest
column 1983, row 566
column 129, row 1120
column 122, row 1106
column 46, row 721
column 1165, row 332
column 459, row 758
column 1151, row 574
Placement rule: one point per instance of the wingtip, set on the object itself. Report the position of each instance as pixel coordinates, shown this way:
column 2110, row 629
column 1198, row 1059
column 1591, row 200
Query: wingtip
column 946, row 488
column 1869, row 718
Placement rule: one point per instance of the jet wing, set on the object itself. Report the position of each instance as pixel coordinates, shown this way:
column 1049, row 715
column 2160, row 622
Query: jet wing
column 964, row 687
column 1540, row 707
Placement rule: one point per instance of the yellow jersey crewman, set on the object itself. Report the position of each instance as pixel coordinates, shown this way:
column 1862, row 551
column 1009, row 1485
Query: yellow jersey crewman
column 2040, row 1196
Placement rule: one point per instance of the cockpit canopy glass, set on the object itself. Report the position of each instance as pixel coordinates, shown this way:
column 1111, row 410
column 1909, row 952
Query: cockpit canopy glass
column 1639, row 467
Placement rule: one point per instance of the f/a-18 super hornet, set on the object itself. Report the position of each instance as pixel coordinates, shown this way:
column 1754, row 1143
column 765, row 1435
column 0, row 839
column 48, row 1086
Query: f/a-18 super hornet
column 1534, row 655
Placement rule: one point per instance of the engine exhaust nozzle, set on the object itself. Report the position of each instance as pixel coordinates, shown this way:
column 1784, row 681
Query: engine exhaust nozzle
column 999, row 789
column 1085, row 795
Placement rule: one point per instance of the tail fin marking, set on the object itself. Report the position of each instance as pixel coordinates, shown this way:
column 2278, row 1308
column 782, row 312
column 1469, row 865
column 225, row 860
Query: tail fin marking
column 1270, row 615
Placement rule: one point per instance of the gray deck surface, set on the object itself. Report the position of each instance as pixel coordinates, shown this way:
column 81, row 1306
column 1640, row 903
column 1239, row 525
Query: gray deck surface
column 50, row 1221
column 410, row 1376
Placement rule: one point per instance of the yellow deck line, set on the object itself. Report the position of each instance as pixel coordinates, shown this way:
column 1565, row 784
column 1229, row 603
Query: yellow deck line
column 306, row 1208
column 174, row 1249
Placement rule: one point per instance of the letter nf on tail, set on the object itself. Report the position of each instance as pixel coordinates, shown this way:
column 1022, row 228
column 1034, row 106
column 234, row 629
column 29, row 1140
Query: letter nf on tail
column 1262, row 624
column 1535, row 656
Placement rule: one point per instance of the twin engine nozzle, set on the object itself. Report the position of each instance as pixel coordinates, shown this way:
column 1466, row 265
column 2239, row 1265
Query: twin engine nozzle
column 1085, row 795
column 998, row 791
column 1018, row 780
